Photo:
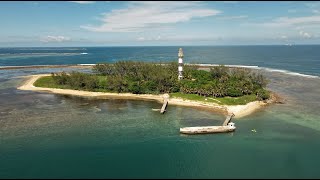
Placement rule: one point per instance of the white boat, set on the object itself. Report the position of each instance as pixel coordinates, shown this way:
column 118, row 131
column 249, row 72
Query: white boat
column 208, row 129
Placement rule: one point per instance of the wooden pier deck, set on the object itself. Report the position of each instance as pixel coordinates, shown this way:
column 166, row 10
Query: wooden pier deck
column 206, row 129
column 164, row 106
column 226, row 127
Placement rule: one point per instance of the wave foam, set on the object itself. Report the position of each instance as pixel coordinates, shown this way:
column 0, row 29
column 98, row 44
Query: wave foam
column 263, row 68
column 290, row 72
column 86, row 64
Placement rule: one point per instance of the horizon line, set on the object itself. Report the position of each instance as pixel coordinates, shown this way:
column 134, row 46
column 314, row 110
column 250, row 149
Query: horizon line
column 161, row 46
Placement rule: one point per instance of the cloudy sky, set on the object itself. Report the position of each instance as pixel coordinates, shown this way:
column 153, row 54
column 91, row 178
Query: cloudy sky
column 147, row 23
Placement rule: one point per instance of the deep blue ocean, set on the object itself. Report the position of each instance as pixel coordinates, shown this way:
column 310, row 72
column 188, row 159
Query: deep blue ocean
column 45, row 135
column 304, row 59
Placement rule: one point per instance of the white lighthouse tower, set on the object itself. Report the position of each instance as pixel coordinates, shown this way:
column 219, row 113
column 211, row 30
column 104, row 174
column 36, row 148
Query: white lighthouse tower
column 180, row 68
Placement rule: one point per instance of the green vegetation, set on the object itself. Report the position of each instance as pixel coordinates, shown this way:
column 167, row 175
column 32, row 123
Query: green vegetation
column 221, row 85
column 48, row 81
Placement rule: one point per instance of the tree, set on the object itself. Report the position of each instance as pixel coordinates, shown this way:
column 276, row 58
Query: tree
column 152, row 78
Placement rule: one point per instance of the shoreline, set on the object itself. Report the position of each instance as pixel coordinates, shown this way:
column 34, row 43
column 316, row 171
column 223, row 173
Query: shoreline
column 238, row 110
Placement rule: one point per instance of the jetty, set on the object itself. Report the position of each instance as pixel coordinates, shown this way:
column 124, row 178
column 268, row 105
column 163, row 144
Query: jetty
column 226, row 127
column 228, row 119
column 165, row 103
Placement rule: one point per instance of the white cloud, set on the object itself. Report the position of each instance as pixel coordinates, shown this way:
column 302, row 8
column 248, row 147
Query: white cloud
column 55, row 39
column 141, row 15
column 233, row 17
column 312, row 4
column 140, row 38
column 168, row 3
column 314, row 7
column 286, row 21
column 231, row 2
column 83, row 2
column 284, row 37
column 157, row 38
column 305, row 34
column 292, row 11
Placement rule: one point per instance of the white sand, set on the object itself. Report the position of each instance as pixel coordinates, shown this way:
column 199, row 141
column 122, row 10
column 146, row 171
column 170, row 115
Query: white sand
column 238, row 110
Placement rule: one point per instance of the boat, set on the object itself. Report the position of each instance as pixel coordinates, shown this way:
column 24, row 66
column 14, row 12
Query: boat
column 230, row 127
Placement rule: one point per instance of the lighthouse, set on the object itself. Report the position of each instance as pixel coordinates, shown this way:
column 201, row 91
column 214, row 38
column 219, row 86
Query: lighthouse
column 180, row 67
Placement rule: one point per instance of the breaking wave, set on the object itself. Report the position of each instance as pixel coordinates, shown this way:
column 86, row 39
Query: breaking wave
column 263, row 68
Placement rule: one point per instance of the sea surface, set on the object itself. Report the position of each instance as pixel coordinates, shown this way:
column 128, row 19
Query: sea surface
column 45, row 135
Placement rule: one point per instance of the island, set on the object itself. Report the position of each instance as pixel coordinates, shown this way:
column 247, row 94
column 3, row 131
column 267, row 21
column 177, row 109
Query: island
column 223, row 89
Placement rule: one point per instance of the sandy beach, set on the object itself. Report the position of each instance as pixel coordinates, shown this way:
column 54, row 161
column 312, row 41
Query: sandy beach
column 238, row 110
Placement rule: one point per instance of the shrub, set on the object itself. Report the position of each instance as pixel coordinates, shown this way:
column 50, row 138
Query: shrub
column 262, row 94
column 234, row 92
column 61, row 78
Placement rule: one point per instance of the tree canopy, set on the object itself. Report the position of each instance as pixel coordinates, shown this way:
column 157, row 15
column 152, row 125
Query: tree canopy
column 152, row 78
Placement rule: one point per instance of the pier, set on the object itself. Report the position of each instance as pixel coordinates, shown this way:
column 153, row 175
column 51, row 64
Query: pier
column 228, row 119
column 165, row 103
column 227, row 126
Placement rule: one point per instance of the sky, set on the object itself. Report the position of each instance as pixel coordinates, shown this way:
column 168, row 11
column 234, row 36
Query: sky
column 151, row 23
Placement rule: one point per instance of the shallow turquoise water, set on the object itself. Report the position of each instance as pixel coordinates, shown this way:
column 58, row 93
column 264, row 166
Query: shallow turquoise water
column 54, row 136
